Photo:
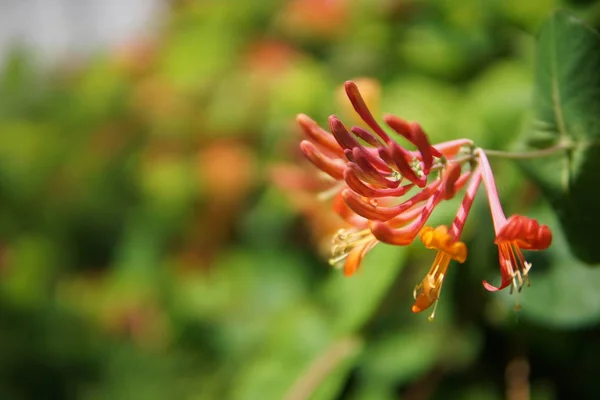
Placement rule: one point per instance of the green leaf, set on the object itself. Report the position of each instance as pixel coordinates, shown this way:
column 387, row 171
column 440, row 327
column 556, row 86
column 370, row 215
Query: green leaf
column 406, row 354
column 340, row 358
column 292, row 344
column 326, row 335
column 352, row 300
column 567, row 113
column 33, row 262
column 402, row 356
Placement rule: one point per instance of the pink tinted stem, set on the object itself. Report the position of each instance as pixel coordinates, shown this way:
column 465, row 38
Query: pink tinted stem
column 492, row 192
column 461, row 216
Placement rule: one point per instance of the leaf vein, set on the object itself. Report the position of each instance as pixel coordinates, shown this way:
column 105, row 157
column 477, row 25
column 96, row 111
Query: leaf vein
column 558, row 114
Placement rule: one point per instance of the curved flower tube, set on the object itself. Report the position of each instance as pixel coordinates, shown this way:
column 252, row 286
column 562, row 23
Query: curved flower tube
column 449, row 248
column 512, row 235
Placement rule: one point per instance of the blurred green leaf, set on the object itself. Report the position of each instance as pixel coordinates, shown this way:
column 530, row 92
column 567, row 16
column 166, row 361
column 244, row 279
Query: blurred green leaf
column 406, row 354
column 352, row 300
column 433, row 103
column 25, row 160
column 374, row 391
column 296, row 89
column 480, row 391
column 19, row 84
column 265, row 224
column 297, row 338
column 201, row 49
column 526, row 14
column 496, row 104
column 567, row 112
column 100, row 92
column 256, row 289
column 169, row 185
column 32, row 267
column 401, row 356
column 134, row 374
column 330, row 370
column 443, row 51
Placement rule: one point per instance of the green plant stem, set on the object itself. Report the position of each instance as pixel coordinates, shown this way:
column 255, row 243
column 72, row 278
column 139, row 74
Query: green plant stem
column 529, row 154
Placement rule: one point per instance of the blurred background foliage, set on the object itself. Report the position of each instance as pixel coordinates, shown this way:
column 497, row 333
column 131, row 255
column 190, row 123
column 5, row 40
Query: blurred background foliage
column 153, row 244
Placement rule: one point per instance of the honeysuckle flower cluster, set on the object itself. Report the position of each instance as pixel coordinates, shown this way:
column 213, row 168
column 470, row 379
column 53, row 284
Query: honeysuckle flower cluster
column 386, row 193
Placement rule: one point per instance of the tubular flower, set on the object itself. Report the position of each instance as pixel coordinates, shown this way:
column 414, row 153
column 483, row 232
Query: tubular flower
column 512, row 235
column 518, row 233
column 449, row 248
column 386, row 193
column 350, row 245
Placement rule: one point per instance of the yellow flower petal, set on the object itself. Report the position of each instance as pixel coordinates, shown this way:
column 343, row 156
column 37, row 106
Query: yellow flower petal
column 440, row 239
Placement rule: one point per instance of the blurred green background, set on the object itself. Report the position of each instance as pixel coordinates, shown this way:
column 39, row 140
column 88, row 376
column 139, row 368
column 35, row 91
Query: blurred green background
column 150, row 250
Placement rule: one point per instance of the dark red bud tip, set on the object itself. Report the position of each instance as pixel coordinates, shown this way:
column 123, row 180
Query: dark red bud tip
column 451, row 175
column 413, row 132
column 422, row 142
column 348, row 155
column 362, row 110
column 341, row 134
column 401, row 126
column 435, row 152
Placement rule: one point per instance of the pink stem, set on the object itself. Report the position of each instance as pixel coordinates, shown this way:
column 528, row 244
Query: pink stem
column 465, row 207
column 492, row 192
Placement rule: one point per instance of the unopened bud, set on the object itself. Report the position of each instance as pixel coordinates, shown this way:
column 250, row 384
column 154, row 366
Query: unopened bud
column 370, row 89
